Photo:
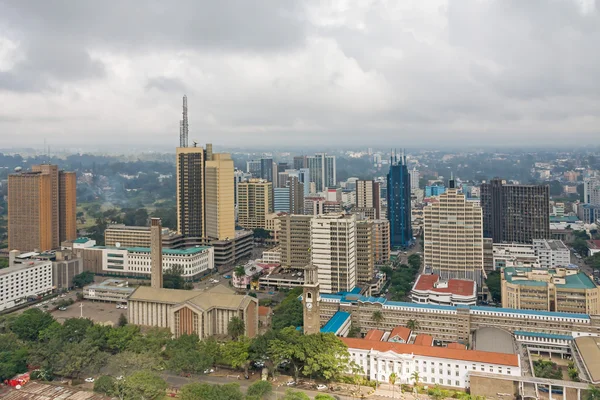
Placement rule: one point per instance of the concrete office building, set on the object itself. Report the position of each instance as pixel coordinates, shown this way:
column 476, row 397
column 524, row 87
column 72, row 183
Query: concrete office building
column 219, row 197
column 254, row 203
column 434, row 191
column 588, row 213
column 190, row 191
column 591, row 191
column 368, row 197
column 300, row 162
column 365, row 254
column 303, row 176
column 430, row 289
column 290, row 197
column 555, row 289
column 414, row 178
column 322, row 171
column 139, row 236
column 381, row 240
column 453, row 237
column 19, row 282
column 253, row 168
column 203, row 313
column 156, row 261
column 111, row 290
column 294, row 240
column 268, row 170
column 514, row 255
column 515, row 213
column 65, row 266
column 41, row 208
column 333, row 251
column 398, row 203
column 551, row 253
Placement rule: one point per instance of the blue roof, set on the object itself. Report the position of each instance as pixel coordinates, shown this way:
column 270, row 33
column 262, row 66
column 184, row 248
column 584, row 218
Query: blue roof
column 417, row 305
column 543, row 335
column 336, row 322
column 330, row 296
column 531, row 312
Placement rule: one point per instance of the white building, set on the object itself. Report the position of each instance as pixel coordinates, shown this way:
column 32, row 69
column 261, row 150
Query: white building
column 21, row 281
column 272, row 256
column 449, row 367
column 514, row 255
column 430, row 289
column 414, row 178
column 551, row 253
column 333, row 251
column 136, row 261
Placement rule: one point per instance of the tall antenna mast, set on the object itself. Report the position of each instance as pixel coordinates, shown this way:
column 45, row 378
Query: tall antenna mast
column 183, row 125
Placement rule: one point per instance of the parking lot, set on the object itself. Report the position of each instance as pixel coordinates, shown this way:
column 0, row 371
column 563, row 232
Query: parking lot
column 97, row 311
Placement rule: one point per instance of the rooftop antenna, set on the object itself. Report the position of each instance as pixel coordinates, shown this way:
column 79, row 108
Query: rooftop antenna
column 183, row 125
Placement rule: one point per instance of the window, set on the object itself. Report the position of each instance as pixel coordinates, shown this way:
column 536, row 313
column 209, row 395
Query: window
column 456, row 383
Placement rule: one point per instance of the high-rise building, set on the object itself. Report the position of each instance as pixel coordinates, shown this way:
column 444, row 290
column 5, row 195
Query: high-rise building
column 254, row 203
column 294, row 240
column 253, row 167
column 453, row 237
column 322, row 171
column 296, row 195
column 156, row 269
column 591, row 191
column 219, row 198
column 268, row 170
column 414, row 178
column 365, row 254
column 190, row 191
column 333, row 251
column 398, row 203
column 367, row 197
column 67, row 205
column 281, row 199
column 41, row 208
column 381, row 241
column 300, row 162
column 515, row 213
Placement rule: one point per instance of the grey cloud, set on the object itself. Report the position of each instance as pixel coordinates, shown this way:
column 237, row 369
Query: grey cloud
column 166, row 84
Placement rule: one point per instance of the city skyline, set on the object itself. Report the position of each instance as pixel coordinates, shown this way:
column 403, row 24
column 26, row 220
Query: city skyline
column 364, row 74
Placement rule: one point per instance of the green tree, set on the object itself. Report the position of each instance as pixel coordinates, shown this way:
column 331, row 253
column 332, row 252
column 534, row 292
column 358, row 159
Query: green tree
column 436, row 393
column 83, row 279
column 593, row 393
column 377, row 317
column 413, row 324
column 75, row 329
column 415, row 377
column 236, row 327
column 75, row 359
column 323, row 396
column 204, row 391
column 260, row 389
column 546, row 369
column 237, row 353
column 186, row 355
column 594, row 261
column 173, row 278
column 414, row 260
column 152, row 341
column 4, row 263
column 291, row 394
column 106, row 385
column 261, row 234
column 128, row 362
column 122, row 320
column 326, row 356
column 580, row 246
column 13, row 356
column 493, row 284
column 29, row 324
column 239, row 271
column 143, row 385
column 289, row 312
column 118, row 339
column 392, row 380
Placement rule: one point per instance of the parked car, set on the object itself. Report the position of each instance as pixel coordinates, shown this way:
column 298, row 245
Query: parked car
column 290, row 383
column 62, row 308
column 209, row 371
column 321, row 387
column 89, row 380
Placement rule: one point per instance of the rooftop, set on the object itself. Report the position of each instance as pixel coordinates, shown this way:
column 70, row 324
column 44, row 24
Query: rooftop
column 217, row 296
column 41, row 391
column 176, row 252
column 577, row 280
column 423, row 340
column 336, row 322
column 374, row 334
column 460, row 287
column 594, row 244
column 402, row 332
column 118, row 285
column 81, row 240
column 434, row 351
column 589, row 349
column 543, row 335
column 21, row 267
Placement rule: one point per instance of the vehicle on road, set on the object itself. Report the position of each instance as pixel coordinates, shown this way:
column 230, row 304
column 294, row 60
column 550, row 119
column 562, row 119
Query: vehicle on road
column 89, row 380
column 209, row 371
column 62, row 308
column 290, row 383
column 321, row 387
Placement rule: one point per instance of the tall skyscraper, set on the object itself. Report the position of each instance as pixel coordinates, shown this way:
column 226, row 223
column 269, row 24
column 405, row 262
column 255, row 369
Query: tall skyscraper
column 254, row 168
column 368, row 198
column 219, row 197
column 156, row 268
column 365, row 254
column 41, row 208
column 300, row 162
column 398, row 203
column 303, row 176
column 381, row 240
column 254, row 203
column 268, row 170
column 322, row 171
column 294, row 240
column 414, row 178
column 515, row 213
column 591, row 191
column 333, row 251
column 453, row 237
column 190, row 191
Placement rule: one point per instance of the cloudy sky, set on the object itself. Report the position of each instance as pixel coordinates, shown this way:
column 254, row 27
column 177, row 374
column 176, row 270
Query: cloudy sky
column 277, row 72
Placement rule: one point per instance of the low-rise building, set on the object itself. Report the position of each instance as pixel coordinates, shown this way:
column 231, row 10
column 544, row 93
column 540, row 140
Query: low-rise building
column 19, row 282
column 551, row 253
column 555, row 289
column 514, row 255
column 593, row 247
column 448, row 367
column 138, row 236
column 430, row 289
column 272, row 256
column 252, row 271
column 113, row 290
column 281, row 279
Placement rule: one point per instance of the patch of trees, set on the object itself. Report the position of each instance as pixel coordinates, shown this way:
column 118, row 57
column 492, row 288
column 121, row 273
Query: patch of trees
column 83, row 279
column 546, row 369
column 494, row 285
column 289, row 311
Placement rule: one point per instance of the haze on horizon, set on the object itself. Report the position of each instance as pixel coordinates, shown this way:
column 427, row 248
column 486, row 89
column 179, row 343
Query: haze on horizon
column 298, row 73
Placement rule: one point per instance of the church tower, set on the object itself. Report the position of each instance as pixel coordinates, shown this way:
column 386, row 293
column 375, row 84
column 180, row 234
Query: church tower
column 311, row 301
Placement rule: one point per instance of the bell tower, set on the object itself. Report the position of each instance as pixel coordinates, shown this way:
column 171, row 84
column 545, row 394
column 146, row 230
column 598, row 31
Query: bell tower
column 311, row 301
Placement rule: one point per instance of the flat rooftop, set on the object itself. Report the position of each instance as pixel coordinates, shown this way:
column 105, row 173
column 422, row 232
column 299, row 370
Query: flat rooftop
column 589, row 349
column 117, row 285
column 177, row 252
column 461, row 287
column 493, row 339
column 23, row 266
column 574, row 281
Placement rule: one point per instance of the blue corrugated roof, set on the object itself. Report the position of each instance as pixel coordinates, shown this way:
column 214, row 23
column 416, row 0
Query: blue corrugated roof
column 330, row 296
column 336, row 322
column 543, row 335
column 417, row 305
column 531, row 312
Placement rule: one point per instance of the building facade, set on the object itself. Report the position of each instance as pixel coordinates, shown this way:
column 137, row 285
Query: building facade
column 381, row 241
column 322, row 171
column 190, row 191
column 551, row 253
column 254, row 203
column 591, row 191
column 515, row 213
column 365, row 254
column 368, row 197
column 453, row 237
column 398, row 204
column 219, row 197
column 22, row 281
column 430, row 289
column 294, row 240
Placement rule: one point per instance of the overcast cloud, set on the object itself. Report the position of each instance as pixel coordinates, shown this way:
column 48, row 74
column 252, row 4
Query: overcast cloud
column 277, row 72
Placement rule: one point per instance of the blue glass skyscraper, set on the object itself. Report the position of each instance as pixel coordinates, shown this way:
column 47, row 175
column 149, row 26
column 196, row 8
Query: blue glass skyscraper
column 398, row 201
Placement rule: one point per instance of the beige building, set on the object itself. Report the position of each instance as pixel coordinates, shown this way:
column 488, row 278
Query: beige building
column 554, row 289
column 255, row 203
column 204, row 313
column 381, row 240
column 41, row 208
column 453, row 237
column 365, row 254
column 368, row 198
column 294, row 240
column 190, row 191
column 219, row 197
column 138, row 236
column 333, row 251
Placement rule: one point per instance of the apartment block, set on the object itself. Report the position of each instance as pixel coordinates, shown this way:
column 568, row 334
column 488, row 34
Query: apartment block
column 22, row 281
column 365, row 254
column 368, row 198
column 219, row 197
column 294, row 240
column 381, row 241
column 551, row 253
column 254, row 203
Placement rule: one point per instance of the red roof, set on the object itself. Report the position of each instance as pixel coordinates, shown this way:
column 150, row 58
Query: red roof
column 264, row 311
column 400, row 331
column 374, row 334
column 489, row 357
column 423, row 340
column 455, row 345
column 460, row 287
column 594, row 244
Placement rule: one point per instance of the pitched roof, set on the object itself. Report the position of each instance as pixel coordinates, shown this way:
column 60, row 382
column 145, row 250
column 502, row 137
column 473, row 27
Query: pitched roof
column 455, row 345
column 434, row 351
column 400, row 331
column 423, row 340
column 218, row 296
column 374, row 334
column 264, row 311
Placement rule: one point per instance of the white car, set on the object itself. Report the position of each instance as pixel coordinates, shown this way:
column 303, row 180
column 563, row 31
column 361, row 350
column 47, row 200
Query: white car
column 89, row 380
column 321, row 387
column 290, row 383
column 209, row 371
column 120, row 378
